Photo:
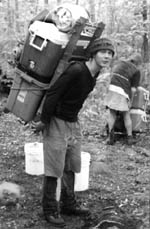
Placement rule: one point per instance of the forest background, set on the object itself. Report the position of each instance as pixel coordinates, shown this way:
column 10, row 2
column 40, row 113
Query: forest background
column 127, row 23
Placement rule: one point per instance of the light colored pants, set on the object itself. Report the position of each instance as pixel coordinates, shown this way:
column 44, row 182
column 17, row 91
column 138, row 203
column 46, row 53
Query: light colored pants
column 62, row 147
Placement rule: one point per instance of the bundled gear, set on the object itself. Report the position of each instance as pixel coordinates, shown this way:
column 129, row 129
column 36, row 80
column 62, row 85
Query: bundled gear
column 66, row 15
column 63, row 16
column 45, row 54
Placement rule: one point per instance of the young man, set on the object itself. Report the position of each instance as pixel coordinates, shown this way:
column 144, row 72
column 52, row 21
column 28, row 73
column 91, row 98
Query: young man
column 124, row 82
column 61, row 130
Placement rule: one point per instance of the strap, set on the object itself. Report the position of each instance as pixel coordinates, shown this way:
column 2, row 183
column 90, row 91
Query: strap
column 123, row 77
column 64, row 62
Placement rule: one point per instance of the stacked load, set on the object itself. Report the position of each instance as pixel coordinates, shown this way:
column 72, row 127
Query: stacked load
column 48, row 37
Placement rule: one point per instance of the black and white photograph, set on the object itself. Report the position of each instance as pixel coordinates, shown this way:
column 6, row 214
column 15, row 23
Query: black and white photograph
column 75, row 114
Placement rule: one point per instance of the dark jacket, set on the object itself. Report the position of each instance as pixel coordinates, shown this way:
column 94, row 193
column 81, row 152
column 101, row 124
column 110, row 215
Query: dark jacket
column 130, row 76
column 66, row 97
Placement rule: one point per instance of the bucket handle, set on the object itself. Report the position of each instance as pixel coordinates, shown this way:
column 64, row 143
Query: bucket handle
column 146, row 96
column 144, row 118
column 40, row 48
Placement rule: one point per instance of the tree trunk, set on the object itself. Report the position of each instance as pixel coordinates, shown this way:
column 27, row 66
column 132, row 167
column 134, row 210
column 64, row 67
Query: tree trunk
column 9, row 14
column 111, row 7
column 17, row 16
column 145, row 47
column 92, row 10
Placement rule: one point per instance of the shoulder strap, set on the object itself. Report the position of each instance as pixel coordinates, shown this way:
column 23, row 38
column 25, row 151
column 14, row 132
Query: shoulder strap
column 64, row 62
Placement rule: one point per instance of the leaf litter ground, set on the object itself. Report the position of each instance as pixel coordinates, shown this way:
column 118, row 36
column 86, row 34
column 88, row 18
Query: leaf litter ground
column 124, row 178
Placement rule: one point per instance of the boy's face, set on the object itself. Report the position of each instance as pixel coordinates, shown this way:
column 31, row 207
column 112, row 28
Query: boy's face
column 103, row 58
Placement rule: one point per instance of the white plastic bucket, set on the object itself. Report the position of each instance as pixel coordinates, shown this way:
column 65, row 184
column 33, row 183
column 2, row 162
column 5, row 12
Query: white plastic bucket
column 34, row 162
column 34, row 158
column 82, row 178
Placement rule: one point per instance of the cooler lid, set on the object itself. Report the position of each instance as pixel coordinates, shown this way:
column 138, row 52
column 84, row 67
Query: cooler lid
column 49, row 31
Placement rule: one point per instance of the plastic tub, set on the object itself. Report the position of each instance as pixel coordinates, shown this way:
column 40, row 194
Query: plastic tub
column 25, row 96
column 139, row 119
column 140, row 99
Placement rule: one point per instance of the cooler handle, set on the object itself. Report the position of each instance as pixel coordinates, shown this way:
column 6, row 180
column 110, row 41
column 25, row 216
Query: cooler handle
column 146, row 96
column 40, row 48
column 144, row 118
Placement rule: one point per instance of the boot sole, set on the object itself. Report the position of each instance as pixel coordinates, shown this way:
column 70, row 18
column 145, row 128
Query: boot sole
column 56, row 225
column 68, row 213
column 61, row 225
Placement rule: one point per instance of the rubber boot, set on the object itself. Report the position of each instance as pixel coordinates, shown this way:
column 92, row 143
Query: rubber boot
column 111, row 138
column 69, row 205
column 49, row 203
column 131, row 140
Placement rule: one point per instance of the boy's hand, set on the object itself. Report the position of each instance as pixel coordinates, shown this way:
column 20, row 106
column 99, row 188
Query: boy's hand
column 37, row 126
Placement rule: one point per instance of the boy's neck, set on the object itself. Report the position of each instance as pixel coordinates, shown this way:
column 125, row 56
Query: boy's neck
column 93, row 68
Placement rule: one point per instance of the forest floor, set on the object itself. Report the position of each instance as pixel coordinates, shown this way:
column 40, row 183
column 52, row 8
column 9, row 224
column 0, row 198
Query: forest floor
column 124, row 181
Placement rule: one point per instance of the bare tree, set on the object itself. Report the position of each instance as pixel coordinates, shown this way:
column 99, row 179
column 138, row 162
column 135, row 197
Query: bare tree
column 16, row 16
column 111, row 16
column 92, row 9
column 145, row 47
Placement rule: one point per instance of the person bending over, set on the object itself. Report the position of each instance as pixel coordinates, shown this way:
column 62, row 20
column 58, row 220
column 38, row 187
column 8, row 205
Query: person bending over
column 124, row 82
